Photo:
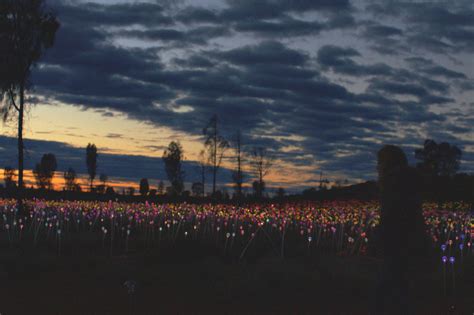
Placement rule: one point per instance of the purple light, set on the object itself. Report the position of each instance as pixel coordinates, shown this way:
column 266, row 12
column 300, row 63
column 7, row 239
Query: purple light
column 451, row 260
column 461, row 246
column 443, row 247
column 444, row 259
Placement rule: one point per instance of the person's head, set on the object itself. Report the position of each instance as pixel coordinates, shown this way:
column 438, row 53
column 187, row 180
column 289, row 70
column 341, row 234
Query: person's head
column 390, row 158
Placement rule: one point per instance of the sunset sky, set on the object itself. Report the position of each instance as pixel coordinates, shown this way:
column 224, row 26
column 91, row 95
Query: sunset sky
column 323, row 84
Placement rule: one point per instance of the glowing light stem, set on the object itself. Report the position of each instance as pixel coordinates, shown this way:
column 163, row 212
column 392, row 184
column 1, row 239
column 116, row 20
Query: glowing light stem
column 444, row 278
column 59, row 243
column 177, row 231
column 341, row 236
column 112, row 228
column 282, row 251
column 248, row 244
column 126, row 243
column 453, row 275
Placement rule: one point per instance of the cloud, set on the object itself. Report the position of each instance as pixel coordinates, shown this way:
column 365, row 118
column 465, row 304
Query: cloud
column 315, row 75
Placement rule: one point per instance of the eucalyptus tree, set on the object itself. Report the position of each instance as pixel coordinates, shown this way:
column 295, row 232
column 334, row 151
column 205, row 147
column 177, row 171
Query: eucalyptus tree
column 27, row 29
column 172, row 158
column 216, row 146
column 261, row 162
column 91, row 162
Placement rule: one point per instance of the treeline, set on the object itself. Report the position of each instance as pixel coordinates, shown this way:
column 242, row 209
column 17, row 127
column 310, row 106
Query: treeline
column 437, row 163
column 251, row 164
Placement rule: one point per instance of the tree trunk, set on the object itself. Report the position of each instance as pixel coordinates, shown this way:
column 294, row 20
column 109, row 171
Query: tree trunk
column 203, row 178
column 214, row 181
column 20, row 152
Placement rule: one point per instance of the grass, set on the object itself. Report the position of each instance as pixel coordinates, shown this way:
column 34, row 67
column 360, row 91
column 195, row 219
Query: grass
column 191, row 278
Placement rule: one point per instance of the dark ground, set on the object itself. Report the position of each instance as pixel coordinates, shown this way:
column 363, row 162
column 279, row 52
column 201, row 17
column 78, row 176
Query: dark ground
column 186, row 279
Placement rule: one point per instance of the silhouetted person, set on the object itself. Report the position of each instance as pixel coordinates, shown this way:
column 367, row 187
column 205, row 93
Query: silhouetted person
column 401, row 234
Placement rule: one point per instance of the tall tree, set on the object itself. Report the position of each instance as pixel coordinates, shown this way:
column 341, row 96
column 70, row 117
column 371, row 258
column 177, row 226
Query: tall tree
column 237, row 174
column 197, row 189
column 44, row 171
column 70, row 179
column 161, row 188
column 172, row 158
column 216, row 145
column 103, row 178
column 8, row 177
column 91, row 161
column 27, row 30
column 280, row 193
column 261, row 162
column 440, row 159
column 144, row 187
column 203, row 169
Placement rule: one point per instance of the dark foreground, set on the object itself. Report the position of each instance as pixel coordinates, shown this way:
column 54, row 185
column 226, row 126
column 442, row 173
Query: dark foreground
column 187, row 279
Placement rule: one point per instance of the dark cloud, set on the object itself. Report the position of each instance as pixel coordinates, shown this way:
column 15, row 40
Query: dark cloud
column 285, row 27
column 94, row 14
column 269, row 52
column 246, row 63
column 197, row 15
column 382, row 31
column 429, row 67
column 268, row 9
column 435, row 26
column 339, row 60
column 200, row 35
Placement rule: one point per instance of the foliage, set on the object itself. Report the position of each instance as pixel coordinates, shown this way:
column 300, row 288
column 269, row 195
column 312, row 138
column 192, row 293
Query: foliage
column 70, row 179
column 216, row 145
column 44, row 171
column 261, row 162
column 441, row 159
column 91, row 162
column 8, row 177
column 172, row 158
column 144, row 187
column 27, row 30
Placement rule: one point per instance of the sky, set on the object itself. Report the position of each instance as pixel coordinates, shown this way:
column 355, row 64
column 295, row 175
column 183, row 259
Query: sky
column 322, row 84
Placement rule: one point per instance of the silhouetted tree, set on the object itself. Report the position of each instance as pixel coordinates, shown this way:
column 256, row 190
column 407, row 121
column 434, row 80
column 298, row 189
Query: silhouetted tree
column 216, row 145
column 77, row 188
column 440, row 159
column 103, row 178
column 131, row 191
column 237, row 174
column 144, row 187
column 161, row 188
column 102, row 187
column 110, row 191
column 91, row 161
column 203, row 169
column 44, row 171
column 197, row 189
column 27, row 29
column 172, row 158
column 70, row 179
column 258, row 188
column 280, row 193
column 261, row 162
column 8, row 177
column 322, row 182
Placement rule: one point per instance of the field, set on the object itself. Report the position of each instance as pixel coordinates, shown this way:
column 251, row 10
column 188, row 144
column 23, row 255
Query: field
column 109, row 258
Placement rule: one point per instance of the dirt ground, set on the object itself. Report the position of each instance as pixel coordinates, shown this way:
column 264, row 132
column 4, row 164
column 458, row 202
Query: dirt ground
column 193, row 281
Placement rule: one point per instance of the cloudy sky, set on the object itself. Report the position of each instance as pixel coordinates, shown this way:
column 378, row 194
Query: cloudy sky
column 321, row 83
